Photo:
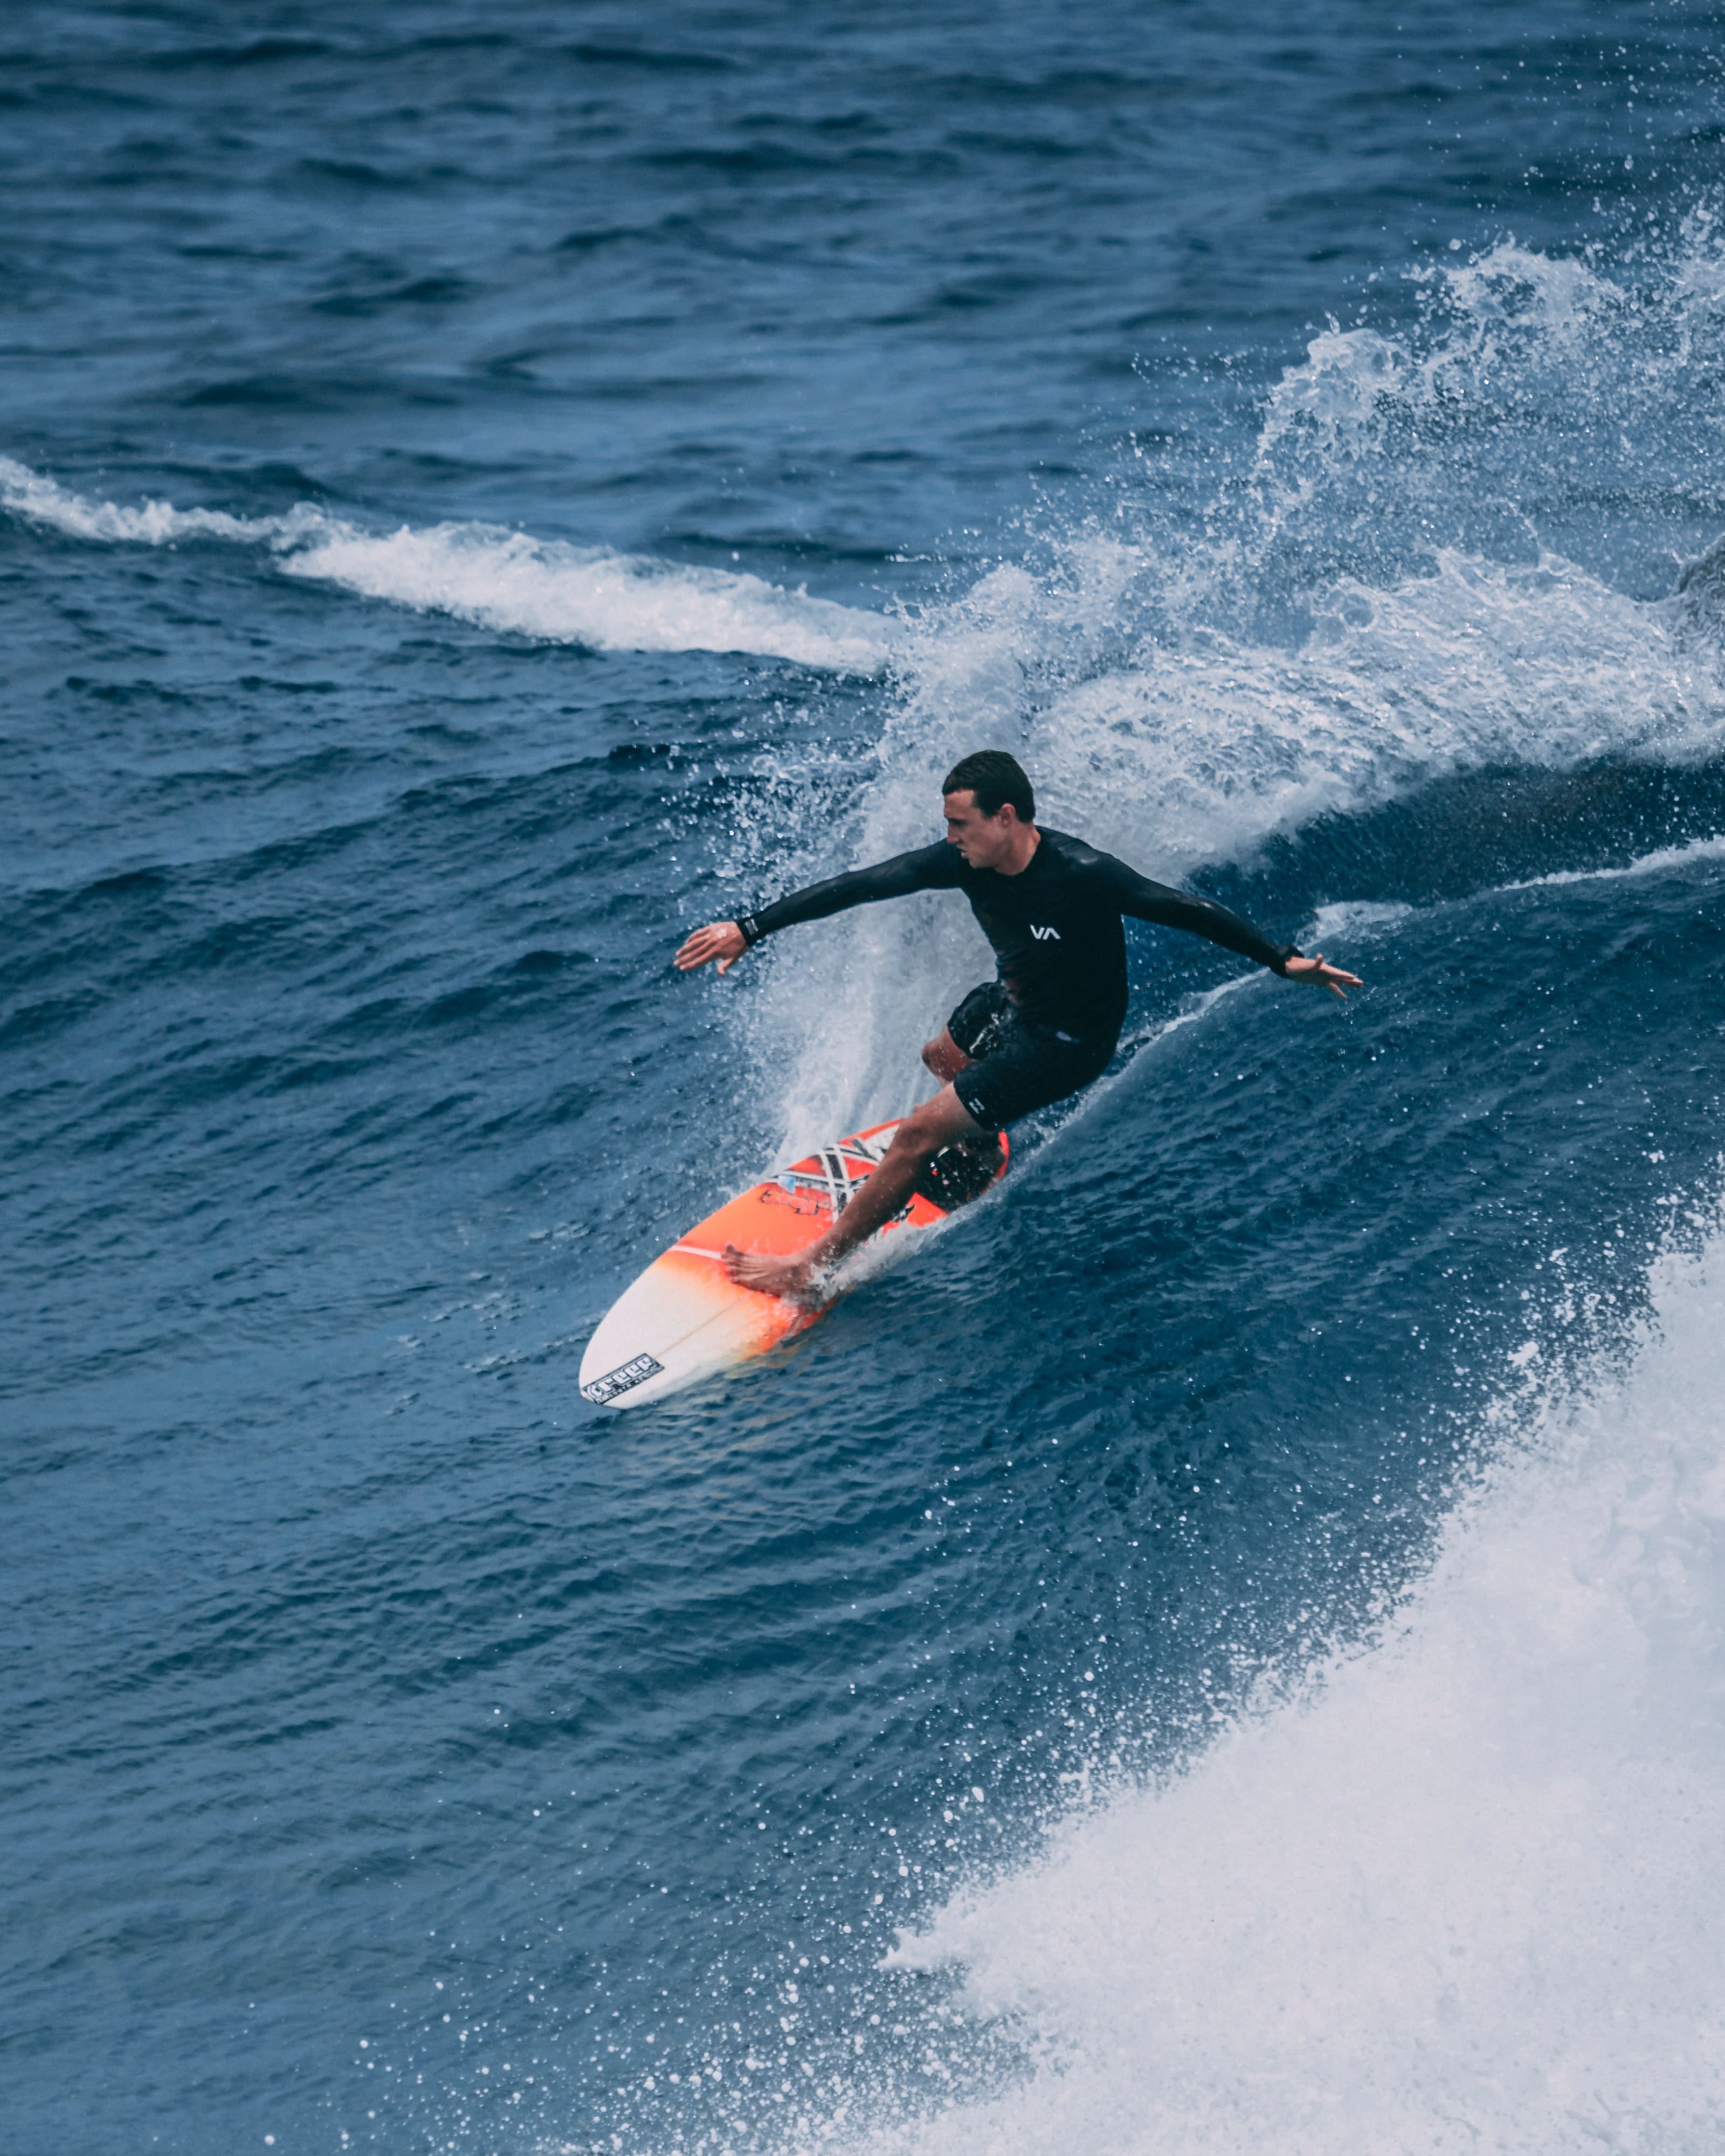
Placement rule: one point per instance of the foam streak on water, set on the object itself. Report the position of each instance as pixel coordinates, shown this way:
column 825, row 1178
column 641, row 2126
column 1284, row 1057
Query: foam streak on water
column 501, row 580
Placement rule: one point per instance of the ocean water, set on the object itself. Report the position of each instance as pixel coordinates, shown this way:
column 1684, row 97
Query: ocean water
column 1220, row 1648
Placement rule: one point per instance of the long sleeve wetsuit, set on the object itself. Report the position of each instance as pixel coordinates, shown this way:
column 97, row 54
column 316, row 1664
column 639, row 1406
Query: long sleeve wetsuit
column 1055, row 926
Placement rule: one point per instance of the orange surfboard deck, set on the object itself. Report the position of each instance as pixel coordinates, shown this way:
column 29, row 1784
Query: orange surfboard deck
column 684, row 1319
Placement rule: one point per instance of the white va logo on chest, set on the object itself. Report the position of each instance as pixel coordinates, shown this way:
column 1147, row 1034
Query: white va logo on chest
column 1044, row 935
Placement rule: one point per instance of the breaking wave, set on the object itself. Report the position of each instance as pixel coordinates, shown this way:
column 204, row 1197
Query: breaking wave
column 1463, row 1891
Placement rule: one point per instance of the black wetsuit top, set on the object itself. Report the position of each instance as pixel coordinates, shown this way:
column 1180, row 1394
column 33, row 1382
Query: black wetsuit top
column 1055, row 927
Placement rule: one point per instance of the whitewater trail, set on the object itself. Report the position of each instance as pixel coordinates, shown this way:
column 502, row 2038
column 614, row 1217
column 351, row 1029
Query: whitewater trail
column 498, row 579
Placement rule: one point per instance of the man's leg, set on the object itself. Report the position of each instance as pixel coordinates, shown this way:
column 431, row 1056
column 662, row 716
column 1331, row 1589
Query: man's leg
column 921, row 1135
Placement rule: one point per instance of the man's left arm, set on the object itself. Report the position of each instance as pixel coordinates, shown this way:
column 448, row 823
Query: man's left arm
column 1146, row 901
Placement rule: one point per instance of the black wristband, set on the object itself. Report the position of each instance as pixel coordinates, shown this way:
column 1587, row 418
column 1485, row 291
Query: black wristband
column 749, row 929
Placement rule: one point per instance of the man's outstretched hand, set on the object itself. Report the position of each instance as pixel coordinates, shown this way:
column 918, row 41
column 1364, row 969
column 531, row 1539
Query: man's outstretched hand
column 1313, row 970
column 724, row 940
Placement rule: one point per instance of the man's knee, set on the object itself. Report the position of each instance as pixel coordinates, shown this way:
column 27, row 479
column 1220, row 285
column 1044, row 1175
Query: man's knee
column 919, row 1136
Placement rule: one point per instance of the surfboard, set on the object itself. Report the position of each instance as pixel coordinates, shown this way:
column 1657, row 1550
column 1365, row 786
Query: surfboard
column 683, row 1319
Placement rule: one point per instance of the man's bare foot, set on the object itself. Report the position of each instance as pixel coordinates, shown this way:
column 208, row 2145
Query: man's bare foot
column 797, row 1279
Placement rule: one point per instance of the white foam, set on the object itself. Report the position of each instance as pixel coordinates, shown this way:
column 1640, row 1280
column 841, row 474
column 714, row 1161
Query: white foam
column 1353, row 916
column 563, row 594
column 1464, row 1893
column 40, row 500
column 500, row 579
column 1660, row 860
column 1500, row 307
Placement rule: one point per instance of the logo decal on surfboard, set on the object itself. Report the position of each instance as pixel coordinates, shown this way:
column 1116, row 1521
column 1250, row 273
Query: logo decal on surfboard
column 602, row 1391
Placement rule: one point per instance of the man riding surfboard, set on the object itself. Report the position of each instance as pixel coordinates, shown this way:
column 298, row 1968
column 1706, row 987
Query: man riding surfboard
column 1044, row 1028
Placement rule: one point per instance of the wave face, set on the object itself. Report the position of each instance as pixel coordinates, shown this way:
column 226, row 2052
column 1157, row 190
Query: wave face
column 1219, row 1650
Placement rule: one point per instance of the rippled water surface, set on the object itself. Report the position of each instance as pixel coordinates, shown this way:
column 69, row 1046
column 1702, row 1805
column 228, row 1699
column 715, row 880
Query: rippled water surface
column 1216, row 1651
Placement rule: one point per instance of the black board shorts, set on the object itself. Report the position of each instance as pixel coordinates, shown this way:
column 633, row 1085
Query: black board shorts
column 1016, row 1066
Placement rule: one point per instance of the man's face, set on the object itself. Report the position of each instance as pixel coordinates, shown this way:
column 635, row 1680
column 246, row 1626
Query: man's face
column 982, row 840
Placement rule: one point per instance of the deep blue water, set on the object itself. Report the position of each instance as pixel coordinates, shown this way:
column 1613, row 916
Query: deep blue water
column 1217, row 1651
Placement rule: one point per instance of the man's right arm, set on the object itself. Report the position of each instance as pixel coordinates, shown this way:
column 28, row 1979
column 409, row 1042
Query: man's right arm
column 929, row 867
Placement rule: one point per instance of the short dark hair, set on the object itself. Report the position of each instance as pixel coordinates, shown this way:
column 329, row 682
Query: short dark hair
column 995, row 778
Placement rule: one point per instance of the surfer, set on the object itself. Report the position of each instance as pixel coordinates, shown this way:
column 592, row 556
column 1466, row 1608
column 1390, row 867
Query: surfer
column 1045, row 1027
